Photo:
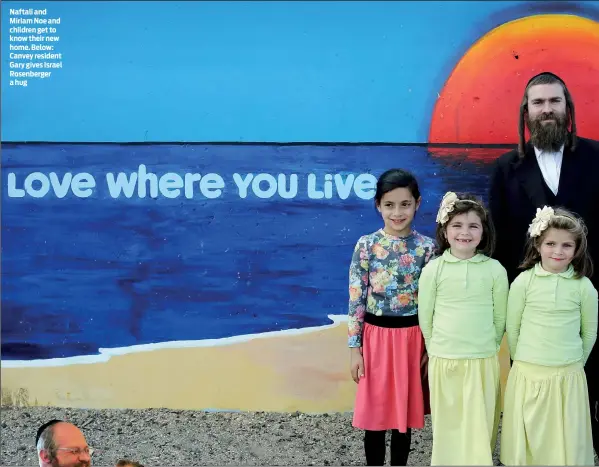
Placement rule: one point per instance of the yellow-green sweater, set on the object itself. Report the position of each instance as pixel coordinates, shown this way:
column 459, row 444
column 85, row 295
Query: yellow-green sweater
column 551, row 318
column 462, row 306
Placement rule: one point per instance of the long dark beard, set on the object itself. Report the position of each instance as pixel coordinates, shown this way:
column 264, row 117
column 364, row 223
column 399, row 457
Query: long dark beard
column 550, row 136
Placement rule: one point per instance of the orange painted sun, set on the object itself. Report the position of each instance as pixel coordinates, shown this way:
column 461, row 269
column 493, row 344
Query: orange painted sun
column 481, row 99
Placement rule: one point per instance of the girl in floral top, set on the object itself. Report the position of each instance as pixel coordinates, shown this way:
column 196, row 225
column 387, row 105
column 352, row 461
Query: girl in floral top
column 386, row 345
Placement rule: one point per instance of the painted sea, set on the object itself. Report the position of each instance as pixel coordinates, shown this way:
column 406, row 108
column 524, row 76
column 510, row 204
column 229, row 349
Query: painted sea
column 80, row 273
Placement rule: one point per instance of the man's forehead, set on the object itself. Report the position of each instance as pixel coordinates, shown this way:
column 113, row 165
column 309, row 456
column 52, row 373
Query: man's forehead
column 545, row 91
column 66, row 433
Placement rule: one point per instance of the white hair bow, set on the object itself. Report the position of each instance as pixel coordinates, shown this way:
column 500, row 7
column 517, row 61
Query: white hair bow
column 447, row 205
column 541, row 221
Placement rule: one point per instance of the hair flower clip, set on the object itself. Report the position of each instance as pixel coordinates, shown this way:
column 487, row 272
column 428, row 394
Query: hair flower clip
column 447, row 205
column 541, row 221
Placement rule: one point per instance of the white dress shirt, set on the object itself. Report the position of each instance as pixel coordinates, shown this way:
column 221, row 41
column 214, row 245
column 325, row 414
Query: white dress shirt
column 550, row 164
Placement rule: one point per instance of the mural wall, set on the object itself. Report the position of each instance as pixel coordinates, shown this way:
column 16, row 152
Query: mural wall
column 182, row 193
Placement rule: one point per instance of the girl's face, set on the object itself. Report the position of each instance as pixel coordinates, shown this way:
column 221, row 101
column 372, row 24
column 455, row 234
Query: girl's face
column 464, row 233
column 398, row 207
column 557, row 250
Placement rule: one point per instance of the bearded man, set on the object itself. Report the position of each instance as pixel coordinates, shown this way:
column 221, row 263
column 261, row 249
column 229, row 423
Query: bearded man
column 556, row 167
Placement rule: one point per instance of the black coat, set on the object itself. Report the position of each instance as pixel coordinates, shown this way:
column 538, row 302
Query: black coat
column 517, row 189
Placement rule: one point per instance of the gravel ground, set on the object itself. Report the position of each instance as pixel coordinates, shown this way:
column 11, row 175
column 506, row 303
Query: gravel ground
column 175, row 437
column 191, row 438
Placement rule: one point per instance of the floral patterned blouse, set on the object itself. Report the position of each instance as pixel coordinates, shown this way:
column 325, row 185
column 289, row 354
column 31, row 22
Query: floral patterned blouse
column 383, row 277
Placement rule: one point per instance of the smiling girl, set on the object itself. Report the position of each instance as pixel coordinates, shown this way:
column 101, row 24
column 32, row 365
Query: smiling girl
column 386, row 345
column 551, row 329
column 461, row 310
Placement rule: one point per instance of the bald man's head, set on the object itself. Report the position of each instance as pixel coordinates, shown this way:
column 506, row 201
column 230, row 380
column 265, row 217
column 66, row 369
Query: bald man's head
column 62, row 444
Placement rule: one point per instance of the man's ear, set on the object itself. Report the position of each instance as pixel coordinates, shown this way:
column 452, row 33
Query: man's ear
column 45, row 456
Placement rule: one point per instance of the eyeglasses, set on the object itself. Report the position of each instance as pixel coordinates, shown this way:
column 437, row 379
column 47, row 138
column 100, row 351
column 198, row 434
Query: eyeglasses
column 78, row 451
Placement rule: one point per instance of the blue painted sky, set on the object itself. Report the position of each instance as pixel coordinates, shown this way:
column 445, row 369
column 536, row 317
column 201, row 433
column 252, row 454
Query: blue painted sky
column 248, row 71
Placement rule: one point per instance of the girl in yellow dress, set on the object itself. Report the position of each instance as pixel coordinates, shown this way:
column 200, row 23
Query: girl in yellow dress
column 551, row 329
column 462, row 310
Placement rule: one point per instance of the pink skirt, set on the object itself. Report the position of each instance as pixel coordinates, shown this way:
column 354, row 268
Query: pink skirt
column 393, row 393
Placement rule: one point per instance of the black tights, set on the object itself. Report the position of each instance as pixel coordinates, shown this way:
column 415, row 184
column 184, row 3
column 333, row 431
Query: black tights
column 375, row 447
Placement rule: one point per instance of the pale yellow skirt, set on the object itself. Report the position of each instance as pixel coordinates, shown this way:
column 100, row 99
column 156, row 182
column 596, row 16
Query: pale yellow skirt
column 546, row 416
column 465, row 409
